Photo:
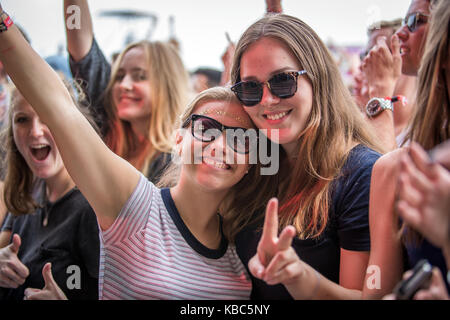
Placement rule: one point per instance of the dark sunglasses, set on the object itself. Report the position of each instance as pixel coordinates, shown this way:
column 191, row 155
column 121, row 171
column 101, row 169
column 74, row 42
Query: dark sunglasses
column 414, row 20
column 207, row 129
column 283, row 85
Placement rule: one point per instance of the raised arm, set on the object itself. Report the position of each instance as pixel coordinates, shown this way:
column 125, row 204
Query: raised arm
column 87, row 62
column 382, row 70
column 79, row 37
column 105, row 179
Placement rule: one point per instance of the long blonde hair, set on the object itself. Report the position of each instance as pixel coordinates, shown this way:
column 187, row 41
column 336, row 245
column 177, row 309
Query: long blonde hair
column 333, row 127
column 249, row 195
column 169, row 93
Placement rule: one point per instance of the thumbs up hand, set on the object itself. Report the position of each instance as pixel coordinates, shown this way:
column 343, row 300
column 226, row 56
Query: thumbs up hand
column 12, row 271
column 51, row 290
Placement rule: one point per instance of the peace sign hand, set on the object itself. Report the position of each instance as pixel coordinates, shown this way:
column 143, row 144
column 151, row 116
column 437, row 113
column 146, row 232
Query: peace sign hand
column 275, row 260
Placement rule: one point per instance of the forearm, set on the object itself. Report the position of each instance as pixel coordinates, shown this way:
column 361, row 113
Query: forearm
column 29, row 72
column 385, row 266
column 383, row 125
column 79, row 40
column 381, row 88
column 313, row 286
column 94, row 71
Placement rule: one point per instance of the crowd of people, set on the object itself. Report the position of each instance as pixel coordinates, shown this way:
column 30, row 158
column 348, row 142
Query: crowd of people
column 131, row 182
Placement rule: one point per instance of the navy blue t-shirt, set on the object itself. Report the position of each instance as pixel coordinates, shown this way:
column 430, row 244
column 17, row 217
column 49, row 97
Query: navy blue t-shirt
column 347, row 228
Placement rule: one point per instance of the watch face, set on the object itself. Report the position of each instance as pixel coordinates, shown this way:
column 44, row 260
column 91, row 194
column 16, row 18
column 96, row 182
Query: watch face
column 373, row 107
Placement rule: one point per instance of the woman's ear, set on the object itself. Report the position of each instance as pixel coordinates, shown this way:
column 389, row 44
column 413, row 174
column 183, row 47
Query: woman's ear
column 178, row 141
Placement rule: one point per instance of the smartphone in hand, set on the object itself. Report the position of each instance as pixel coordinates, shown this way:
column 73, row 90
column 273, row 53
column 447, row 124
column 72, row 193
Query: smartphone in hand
column 407, row 288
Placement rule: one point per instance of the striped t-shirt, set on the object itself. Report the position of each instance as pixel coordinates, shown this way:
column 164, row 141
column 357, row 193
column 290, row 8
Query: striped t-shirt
column 149, row 253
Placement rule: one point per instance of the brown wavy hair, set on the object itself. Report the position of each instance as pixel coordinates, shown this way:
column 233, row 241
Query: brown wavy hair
column 169, row 94
column 334, row 126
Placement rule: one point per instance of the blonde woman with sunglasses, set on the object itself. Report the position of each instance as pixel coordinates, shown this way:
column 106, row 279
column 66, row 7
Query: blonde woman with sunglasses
column 290, row 85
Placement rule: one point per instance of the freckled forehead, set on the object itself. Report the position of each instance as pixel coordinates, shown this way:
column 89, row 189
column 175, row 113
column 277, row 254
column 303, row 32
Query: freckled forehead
column 221, row 110
column 419, row 6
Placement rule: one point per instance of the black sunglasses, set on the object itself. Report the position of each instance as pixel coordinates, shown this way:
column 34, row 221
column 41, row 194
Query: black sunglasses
column 207, row 129
column 414, row 20
column 283, row 85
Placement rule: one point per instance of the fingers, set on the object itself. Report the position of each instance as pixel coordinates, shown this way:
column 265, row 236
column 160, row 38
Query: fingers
column 37, row 294
column 13, row 272
column 284, row 268
column 395, row 45
column 441, row 154
column 256, row 267
column 17, row 267
column 396, row 56
column 15, row 245
column 420, row 159
column 29, row 292
column 414, row 185
column 409, row 214
column 407, row 274
column 6, row 282
column 47, row 275
column 286, row 237
column 381, row 43
column 270, row 230
column 436, row 289
column 10, row 276
column 380, row 50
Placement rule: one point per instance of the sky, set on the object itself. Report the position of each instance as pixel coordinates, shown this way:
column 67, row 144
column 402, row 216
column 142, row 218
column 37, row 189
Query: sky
column 200, row 25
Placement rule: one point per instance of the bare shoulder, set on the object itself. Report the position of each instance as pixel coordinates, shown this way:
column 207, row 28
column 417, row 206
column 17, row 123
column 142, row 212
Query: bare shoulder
column 383, row 186
column 387, row 166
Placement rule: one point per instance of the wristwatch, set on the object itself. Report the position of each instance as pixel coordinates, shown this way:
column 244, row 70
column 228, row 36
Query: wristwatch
column 377, row 105
column 5, row 21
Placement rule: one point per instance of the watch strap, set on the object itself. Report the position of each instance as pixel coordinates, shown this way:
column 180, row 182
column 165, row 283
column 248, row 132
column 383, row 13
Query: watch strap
column 386, row 104
column 5, row 21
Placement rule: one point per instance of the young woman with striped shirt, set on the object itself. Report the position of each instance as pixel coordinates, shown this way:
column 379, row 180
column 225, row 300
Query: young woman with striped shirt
column 155, row 243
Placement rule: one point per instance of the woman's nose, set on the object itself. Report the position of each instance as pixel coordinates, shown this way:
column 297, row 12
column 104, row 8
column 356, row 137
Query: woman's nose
column 403, row 33
column 126, row 83
column 37, row 128
column 218, row 149
column 268, row 98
